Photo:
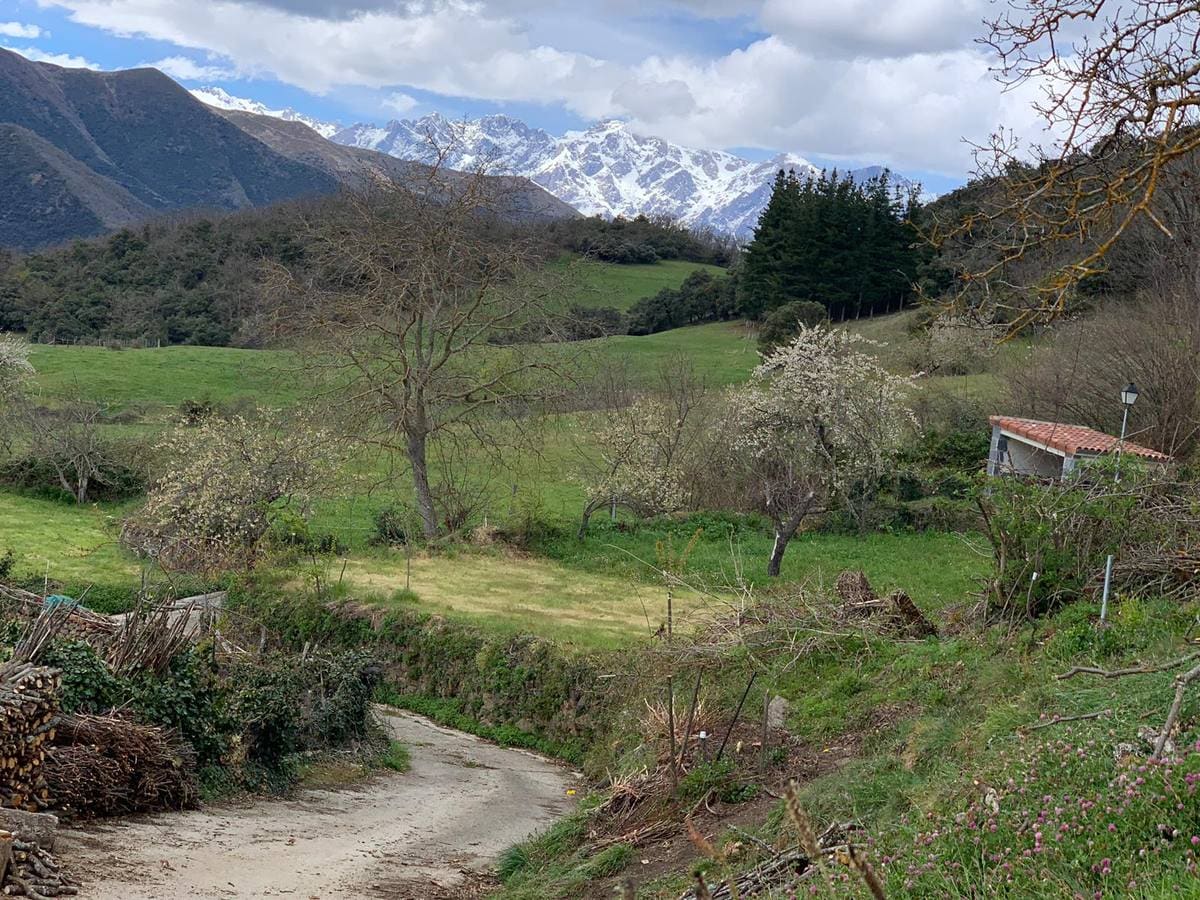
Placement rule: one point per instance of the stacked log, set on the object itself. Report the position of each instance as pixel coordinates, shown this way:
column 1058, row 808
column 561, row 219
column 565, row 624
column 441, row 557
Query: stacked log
column 33, row 872
column 28, row 705
column 79, row 623
column 111, row 765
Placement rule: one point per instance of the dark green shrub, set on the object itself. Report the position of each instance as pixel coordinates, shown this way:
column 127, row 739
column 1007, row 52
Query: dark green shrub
column 1050, row 539
column 87, row 684
column 783, row 323
column 38, row 475
column 706, row 778
column 267, row 709
column 291, row 530
column 190, row 697
column 395, row 525
column 8, row 559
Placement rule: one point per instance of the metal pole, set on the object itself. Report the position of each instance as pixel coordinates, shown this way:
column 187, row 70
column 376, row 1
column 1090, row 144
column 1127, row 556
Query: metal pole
column 1108, row 563
column 1107, row 581
column 1124, row 422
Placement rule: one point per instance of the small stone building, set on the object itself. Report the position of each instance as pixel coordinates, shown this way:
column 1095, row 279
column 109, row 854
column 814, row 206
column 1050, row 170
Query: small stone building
column 1051, row 449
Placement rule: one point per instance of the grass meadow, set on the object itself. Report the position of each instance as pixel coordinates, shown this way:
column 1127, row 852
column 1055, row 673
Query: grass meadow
column 599, row 592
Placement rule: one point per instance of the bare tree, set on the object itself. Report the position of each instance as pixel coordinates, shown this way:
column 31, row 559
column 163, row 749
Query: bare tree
column 652, row 444
column 408, row 300
column 1120, row 85
column 69, row 439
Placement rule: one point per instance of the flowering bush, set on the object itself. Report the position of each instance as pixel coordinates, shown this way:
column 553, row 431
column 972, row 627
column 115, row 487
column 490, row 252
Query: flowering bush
column 221, row 485
column 14, row 362
column 821, row 419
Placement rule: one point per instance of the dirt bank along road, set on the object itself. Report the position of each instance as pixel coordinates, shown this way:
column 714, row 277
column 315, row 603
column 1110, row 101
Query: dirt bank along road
column 422, row 834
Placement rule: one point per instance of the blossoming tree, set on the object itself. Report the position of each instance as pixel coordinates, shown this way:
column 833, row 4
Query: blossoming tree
column 820, row 420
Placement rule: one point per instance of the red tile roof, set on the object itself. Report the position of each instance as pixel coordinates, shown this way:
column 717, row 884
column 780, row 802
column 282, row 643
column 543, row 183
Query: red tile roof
column 1071, row 439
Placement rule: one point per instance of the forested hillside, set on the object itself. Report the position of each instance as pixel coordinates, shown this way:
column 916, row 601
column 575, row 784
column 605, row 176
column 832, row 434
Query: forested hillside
column 82, row 152
column 196, row 279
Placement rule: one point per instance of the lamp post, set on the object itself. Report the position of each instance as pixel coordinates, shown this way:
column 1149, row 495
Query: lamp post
column 1129, row 395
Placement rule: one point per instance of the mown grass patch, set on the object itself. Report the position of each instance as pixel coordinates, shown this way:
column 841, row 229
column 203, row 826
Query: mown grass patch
column 620, row 286
column 512, row 594
column 152, row 380
column 721, row 353
column 75, row 546
column 934, row 568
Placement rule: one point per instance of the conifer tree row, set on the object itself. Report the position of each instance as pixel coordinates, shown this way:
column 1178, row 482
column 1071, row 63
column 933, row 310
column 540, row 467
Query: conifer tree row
column 847, row 245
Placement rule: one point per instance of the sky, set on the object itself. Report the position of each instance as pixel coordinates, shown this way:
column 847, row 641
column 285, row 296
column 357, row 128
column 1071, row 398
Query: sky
column 902, row 83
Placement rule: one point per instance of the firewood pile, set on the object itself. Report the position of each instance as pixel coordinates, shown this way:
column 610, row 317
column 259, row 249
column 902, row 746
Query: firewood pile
column 896, row 614
column 111, row 765
column 28, row 704
column 33, row 872
column 79, row 622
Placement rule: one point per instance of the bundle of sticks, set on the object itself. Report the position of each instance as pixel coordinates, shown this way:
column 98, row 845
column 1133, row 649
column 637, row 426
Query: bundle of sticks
column 34, row 873
column 72, row 620
column 109, row 765
column 28, row 704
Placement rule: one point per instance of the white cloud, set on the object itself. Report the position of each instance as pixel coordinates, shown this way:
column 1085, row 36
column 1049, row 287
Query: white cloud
column 869, row 28
column 187, row 69
column 401, row 103
column 66, row 60
column 18, row 30
column 900, row 83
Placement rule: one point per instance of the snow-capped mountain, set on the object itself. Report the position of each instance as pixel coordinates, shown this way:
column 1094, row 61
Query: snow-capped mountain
column 606, row 170
column 215, row 96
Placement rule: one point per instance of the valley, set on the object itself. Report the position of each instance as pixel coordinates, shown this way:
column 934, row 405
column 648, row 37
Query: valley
column 505, row 501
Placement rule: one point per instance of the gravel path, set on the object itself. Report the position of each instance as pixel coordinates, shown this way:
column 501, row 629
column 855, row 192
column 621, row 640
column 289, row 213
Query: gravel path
column 425, row 834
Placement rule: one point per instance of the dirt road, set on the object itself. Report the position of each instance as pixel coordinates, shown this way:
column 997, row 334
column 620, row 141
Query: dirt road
column 418, row 835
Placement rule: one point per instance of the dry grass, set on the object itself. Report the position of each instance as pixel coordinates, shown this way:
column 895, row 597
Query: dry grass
column 520, row 593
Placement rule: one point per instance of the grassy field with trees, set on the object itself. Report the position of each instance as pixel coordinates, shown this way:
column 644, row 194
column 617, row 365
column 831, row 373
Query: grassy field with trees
column 709, row 523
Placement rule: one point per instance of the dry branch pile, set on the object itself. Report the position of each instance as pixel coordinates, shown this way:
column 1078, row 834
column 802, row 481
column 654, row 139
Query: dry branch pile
column 149, row 638
column 34, row 873
column 28, row 704
column 78, row 622
column 894, row 615
column 108, row 765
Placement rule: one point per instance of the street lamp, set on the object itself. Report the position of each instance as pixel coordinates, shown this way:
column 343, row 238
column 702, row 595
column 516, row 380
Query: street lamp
column 1129, row 395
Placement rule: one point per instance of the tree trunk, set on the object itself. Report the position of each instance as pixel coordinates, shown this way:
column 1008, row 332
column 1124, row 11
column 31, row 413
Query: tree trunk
column 785, row 530
column 586, row 519
column 420, row 472
column 782, row 536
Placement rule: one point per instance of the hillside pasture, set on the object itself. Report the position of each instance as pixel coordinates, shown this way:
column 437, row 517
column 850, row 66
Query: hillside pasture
column 620, row 286
column 587, row 592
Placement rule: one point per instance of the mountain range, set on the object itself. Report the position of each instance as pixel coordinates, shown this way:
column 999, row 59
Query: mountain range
column 607, row 170
column 85, row 152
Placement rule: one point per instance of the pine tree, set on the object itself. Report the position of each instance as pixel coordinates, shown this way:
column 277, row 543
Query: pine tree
column 845, row 245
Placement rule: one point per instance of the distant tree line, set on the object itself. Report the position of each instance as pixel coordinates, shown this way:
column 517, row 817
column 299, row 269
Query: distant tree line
column 848, row 246
column 642, row 239
column 703, row 297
